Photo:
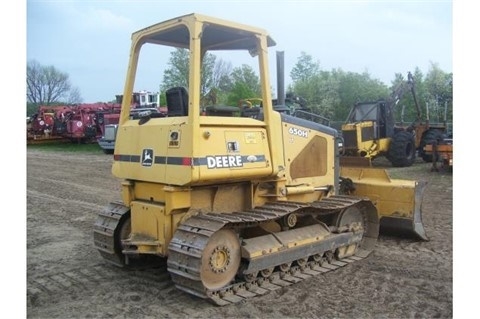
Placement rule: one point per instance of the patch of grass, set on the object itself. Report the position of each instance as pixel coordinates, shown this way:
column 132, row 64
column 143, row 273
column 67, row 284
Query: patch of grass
column 67, row 147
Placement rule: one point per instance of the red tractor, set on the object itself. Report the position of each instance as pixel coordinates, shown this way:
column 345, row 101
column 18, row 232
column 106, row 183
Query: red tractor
column 82, row 123
column 48, row 124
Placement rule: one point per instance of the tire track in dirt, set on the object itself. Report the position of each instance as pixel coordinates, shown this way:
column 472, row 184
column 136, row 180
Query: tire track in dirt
column 67, row 278
column 45, row 287
column 79, row 188
column 35, row 195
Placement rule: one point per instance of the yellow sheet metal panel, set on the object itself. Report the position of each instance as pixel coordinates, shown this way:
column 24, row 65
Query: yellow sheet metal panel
column 308, row 156
column 145, row 151
column 176, row 199
column 127, row 192
column 269, row 244
column 149, row 191
column 148, row 223
column 233, row 153
column 161, row 151
column 392, row 197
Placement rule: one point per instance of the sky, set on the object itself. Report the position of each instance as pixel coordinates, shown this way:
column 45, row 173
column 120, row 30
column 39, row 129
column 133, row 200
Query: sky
column 90, row 40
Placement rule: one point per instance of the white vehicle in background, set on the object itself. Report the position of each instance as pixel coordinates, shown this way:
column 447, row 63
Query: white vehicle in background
column 107, row 141
column 141, row 101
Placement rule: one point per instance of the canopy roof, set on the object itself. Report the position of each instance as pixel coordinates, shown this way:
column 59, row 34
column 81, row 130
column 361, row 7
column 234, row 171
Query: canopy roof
column 217, row 34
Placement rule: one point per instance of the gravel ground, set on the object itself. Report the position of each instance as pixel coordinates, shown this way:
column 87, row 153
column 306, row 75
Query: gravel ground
column 67, row 278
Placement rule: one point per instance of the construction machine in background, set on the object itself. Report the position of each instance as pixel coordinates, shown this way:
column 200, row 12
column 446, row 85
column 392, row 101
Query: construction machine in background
column 142, row 101
column 430, row 133
column 371, row 131
column 239, row 206
column 440, row 152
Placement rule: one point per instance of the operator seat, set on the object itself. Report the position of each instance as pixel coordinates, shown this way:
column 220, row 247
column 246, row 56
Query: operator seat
column 251, row 112
column 177, row 101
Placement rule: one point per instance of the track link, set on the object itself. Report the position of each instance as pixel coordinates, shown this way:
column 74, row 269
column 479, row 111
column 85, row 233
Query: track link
column 186, row 247
column 104, row 233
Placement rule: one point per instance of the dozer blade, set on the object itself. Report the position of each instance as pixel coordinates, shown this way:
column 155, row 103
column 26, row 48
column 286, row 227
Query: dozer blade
column 355, row 161
column 398, row 201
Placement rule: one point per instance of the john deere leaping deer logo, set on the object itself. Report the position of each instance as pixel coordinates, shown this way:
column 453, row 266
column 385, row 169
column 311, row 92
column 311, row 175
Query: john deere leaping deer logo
column 147, row 157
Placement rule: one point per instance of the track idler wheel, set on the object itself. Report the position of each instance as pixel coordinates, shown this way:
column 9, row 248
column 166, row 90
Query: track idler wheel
column 351, row 219
column 220, row 259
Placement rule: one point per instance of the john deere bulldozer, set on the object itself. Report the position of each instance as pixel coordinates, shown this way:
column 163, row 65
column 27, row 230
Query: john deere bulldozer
column 239, row 206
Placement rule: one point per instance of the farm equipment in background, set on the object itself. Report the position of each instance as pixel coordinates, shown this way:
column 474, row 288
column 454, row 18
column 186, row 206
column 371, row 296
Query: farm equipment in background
column 81, row 123
column 440, row 152
column 371, row 131
column 47, row 125
column 108, row 117
column 430, row 133
column 73, row 123
column 239, row 206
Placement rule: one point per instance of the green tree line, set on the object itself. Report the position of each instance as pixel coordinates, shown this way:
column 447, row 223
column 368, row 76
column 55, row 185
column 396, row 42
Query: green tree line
column 330, row 93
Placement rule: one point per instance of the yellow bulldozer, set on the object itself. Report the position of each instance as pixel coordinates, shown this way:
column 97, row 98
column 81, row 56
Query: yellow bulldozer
column 239, row 206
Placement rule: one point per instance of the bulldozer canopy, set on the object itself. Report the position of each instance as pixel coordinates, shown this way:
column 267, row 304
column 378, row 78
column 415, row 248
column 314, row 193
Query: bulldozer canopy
column 217, row 34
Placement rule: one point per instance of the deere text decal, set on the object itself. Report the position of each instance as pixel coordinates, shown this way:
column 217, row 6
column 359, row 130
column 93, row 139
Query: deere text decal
column 224, row 161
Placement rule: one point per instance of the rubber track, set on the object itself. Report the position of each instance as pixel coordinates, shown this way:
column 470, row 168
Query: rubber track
column 185, row 250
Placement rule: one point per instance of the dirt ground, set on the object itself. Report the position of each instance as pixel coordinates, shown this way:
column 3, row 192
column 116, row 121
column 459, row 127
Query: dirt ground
column 67, row 278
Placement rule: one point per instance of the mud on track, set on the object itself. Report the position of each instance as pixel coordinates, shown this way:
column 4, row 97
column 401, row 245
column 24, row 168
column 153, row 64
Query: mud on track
column 67, row 278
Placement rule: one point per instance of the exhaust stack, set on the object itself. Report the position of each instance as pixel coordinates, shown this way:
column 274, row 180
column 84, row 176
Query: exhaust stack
column 280, row 78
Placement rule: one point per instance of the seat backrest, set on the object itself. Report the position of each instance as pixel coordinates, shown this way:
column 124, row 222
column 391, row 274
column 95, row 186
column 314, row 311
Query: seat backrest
column 177, row 101
column 251, row 112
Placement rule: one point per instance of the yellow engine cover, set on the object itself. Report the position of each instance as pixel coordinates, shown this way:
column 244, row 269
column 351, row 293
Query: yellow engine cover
column 163, row 151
